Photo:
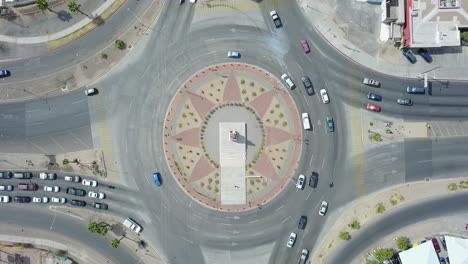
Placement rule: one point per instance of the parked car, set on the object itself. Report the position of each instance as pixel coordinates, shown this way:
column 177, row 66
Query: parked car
column 370, row 82
column 97, row 195
column 27, row 187
column 304, row 255
column 291, row 240
column 374, row 108
column 442, row 240
column 78, row 203
column 4, row 73
column 404, row 101
column 22, row 175
column 89, row 183
column 442, row 260
column 305, row 45
column 193, row 1
column 6, row 174
column 276, row 18
column 302, row 222
column 157, row 179
column 306, row 121
column 436, row 244
column 307, row 85
column 313, row 180
column 323, row 208
column 40, row 199
column 5, row 199
column 22, row 199
column 91, row 91
column 409, row 55
column 288, row 81
column 72, row 178
column 61, row 200
column 300, row 182
column 47, row 176
column 373, row 96
column 233, row 54
column 324, row 95
column 132, row 225
column 415, row 90
column 425, row 54
column 101, row 206
column 76, row 192
column 6, row 188
column 51, row 189
column 330, row 124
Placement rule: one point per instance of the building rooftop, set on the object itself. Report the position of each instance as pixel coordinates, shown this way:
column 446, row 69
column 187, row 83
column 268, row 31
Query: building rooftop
column 435, row 23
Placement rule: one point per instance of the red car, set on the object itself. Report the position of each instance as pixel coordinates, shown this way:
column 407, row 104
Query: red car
column 436, row 244
column 305, row 45
column 374, row 108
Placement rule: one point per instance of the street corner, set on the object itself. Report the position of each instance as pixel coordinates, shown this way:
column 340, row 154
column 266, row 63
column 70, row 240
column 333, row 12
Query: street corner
column 86, row 162
column 232, row 93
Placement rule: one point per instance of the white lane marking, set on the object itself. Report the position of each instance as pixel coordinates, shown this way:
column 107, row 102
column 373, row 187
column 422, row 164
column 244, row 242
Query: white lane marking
column 259, row 233
column 423, row 149
column 277, row 209
column 223, row 237
column 309, row 194
column 193, row 228
column 84, row 113
column 299, row 66
column 53, row 221
column 172, row 195
column 186, row 239
column 323, row 163
column 226, row 224
column 36, row 124
column 253, row 221
column 79, row 101
column 305, row 99
column 422, row 161
column 286, row 219
column 34, row 110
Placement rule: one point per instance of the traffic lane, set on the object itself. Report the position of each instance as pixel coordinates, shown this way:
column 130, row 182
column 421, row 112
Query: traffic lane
column 63, row 225
column 396, row 219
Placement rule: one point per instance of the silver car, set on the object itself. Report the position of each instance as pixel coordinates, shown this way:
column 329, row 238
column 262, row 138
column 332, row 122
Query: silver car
column 291, row 240
column 371, row 82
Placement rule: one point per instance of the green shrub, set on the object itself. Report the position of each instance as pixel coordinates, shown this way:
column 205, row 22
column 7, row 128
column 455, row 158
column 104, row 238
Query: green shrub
column 119, row 44
column 382, row 254
column 380, row 208
column 344, row 235
column 65, row 161
column 452, row 187
column 355, row 224
column 402, row 243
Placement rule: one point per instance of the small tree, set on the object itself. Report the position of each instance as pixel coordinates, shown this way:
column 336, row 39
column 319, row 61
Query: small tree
column 93, row 227
column 380, row 208
column 119, row 44
column 65, row 161
column 42, row 4
column 382, row 254
column 464, row 36
column 115, row 243
column 73, row 7
column 402, row 243
column 355, row 224
column 344, row 235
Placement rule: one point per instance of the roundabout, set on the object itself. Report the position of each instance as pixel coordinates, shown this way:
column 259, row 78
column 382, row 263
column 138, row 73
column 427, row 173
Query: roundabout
column 232, row 93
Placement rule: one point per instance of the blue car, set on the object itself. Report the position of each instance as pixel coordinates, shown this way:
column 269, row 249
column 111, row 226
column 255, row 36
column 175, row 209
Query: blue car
column 233, row 54
column 425, row 54
column 373, row 96
column 157, row 179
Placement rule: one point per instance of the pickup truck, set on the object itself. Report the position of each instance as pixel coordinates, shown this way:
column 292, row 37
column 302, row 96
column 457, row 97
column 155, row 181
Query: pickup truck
column 131, row 224
column 76, row 192
column 275, row 18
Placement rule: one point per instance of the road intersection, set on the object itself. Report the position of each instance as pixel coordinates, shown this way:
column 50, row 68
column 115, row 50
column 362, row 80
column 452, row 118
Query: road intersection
column 134, row 97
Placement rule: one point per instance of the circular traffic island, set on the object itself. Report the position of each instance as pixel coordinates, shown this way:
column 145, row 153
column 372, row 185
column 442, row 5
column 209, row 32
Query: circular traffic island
column 232, row 136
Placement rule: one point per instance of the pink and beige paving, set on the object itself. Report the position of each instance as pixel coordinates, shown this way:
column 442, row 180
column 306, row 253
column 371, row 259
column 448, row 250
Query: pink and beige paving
column 232, row 93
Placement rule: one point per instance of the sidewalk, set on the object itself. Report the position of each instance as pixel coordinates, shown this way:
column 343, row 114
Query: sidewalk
column 353, row 28
column 364, row 211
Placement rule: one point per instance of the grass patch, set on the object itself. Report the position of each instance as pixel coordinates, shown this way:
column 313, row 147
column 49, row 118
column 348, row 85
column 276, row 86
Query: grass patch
column 53, row 44
column 452, row 187
column 375, row 136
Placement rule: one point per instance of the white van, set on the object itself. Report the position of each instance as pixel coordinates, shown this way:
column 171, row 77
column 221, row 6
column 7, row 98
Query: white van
column 306, row 121
column 130, row 223
column 288, row 81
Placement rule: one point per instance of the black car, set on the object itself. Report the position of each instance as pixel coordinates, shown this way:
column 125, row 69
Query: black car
column 6, row 174
column 77, row 192
column 78, row 203
column 425, row 54
column 302, row 222
column 307, row 85
column 313, row 180
column 22, row 199
column 101, row 206
column 4, row 73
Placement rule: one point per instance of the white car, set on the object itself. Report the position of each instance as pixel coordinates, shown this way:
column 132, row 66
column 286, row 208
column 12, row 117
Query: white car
column 89, row 183
column 51, row 188
column 61, row 200
column 98, row 195
column 91, row 91
column 288, row 81
column 300, row 182
column 370, row 82
column 324, row 95
column 193, row 1
column 6, row 187
column 47, row 176
column 291, row 240
column 306, row 121
column 40, row 199
column 304, row 255
column 72, row 178
column 323, row 208
column 5, row 199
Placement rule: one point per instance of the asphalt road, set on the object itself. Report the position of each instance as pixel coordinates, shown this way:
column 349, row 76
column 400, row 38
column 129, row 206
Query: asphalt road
column 135, row 96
